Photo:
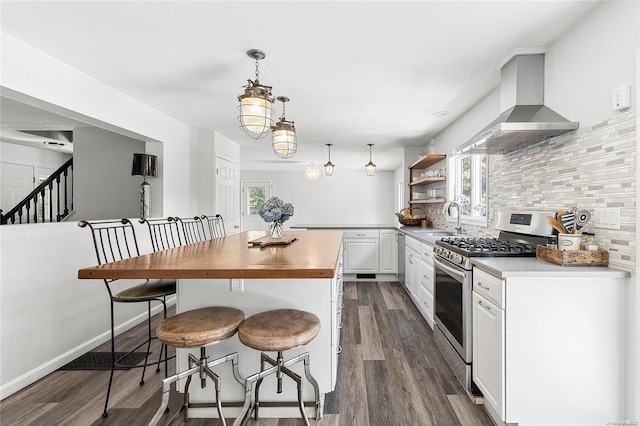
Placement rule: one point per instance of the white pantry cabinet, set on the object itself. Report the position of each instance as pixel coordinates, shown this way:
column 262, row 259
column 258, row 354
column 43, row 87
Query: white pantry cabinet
column 548, row 345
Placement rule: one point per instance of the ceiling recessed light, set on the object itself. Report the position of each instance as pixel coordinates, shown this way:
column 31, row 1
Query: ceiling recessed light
column 440, row 113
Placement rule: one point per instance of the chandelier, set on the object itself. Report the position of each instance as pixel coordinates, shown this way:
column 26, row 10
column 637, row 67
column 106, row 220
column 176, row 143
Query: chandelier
column 283, row 136
column 370, row 167
column 255, row 103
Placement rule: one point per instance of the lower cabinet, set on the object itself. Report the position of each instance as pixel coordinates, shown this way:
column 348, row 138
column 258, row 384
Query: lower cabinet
column 548, row 348
column 361, row 251
column 419, row 276
column 412, row 272
column 488, row 351
column 370, row 251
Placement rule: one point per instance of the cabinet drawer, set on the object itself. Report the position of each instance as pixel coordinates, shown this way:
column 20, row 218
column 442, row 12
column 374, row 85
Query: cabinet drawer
column 489, row 286
column 364, row 233
column 426, row 276
column 426, row 252
column 413, row 244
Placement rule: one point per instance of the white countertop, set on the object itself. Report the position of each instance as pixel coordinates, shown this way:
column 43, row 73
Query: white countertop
column 531, row 267
column 427, row 235
column 344, row 226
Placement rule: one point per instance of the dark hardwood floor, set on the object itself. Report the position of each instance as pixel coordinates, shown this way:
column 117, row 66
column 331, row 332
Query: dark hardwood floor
column 390, row 373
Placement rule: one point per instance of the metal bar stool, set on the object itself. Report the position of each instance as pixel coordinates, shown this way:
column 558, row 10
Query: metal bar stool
column 164, row 233
column 199, row 328
column 216, row 226
column 115, row 240
column 192, row 229
column 279, row 330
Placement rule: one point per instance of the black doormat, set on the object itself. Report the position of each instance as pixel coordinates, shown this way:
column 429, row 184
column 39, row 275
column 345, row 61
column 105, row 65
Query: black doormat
column 102, row 361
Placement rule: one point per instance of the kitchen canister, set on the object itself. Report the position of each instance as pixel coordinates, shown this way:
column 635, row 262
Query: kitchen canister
column 569, row 241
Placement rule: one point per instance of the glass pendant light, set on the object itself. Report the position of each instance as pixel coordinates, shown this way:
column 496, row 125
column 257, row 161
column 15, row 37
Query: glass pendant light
column 370, row 167
column 311, row 172
column 329, row 167
column 255, row 103
column 283, row 137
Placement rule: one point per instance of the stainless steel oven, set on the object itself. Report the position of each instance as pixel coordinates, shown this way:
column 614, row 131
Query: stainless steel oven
column 520, row 232
column 452, row 317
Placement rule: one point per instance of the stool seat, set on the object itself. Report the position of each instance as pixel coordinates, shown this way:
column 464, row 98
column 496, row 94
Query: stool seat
column 200, row 327
column 279, row 330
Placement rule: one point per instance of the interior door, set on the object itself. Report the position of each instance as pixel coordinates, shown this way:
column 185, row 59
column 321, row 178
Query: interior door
column 254, row 194
column 16, row 182
column 227, row 190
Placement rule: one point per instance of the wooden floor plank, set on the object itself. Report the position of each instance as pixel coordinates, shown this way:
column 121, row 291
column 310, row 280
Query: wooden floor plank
column 390, row 373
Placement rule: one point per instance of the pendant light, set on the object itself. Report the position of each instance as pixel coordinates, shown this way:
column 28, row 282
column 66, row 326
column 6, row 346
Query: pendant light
column 329, row 167
column 283, row 136
column 311, row 172
column 370, row 167
column 255, row 103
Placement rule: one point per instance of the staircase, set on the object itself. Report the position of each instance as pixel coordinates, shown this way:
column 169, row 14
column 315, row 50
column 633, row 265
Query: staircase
column 51, row 201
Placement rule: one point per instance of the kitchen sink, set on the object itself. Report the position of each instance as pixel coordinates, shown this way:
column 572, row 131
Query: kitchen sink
column 435, row 234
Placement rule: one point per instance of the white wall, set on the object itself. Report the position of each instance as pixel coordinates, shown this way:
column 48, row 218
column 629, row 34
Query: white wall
column 33, row 77
column 47, row 316
column 104, row 187
column 347, row 197
column 25, row 155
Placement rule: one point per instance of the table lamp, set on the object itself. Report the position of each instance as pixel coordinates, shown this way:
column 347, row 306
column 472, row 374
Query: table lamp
column 144, row 165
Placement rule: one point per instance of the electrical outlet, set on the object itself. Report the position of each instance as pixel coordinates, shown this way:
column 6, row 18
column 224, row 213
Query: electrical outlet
column 237, row 284
column 621, row 98
column 606, row 217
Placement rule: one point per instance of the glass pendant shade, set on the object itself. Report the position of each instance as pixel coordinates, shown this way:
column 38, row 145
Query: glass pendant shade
column 370, row 168
column 255, row 112
column 329, row 168
column 311, row 172
column 284, row 139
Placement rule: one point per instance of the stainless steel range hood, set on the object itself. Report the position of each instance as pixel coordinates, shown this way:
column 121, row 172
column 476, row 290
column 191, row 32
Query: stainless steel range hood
column 526, row 120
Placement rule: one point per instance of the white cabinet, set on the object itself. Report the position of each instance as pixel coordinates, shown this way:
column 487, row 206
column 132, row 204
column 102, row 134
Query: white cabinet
column 540, row 340
column 361, row 251
column 388, row 251
column 488, row 351
column 425, row 292
column 412, row 267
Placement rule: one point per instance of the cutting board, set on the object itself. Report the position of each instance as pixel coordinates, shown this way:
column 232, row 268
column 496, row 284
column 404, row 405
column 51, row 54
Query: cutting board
column 270, row 241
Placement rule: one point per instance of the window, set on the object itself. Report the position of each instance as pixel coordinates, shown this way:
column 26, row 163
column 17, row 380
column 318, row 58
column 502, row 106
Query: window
column 469, row 186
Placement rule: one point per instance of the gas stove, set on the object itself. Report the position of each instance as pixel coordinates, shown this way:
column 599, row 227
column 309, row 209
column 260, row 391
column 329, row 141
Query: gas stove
column 520, row 233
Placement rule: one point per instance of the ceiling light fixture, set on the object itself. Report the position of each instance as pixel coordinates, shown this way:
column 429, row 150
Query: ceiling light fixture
column 283, row 137
column 329, row 167
column 311, row 172
column 255, row 103
column 370, row 167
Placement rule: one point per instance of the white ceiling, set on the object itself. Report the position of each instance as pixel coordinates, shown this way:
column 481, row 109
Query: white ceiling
column 357, row 72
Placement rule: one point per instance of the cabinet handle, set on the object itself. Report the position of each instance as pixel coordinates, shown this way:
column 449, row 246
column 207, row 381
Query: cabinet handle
column 361, row 235
column 339, row 350
column 483, row 305
column 481, row 286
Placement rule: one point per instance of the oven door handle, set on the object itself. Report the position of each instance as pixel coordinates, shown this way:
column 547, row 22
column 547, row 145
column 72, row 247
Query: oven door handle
column 455, row 272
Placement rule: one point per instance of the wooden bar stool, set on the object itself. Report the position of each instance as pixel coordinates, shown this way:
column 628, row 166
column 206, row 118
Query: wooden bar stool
column 199, row 328
column 279, row 330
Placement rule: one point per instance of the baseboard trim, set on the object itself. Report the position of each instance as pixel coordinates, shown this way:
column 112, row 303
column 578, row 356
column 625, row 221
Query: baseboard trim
column 52, row 365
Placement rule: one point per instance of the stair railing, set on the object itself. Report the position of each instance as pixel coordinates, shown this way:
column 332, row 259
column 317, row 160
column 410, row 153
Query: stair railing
column 48, row 193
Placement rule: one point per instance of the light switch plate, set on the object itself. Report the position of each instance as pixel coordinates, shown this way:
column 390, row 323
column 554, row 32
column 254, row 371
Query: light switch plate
column 621, row 98
column 606, row 217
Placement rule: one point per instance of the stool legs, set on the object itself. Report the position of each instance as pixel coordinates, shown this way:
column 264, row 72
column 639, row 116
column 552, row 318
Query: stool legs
column 202, row 367
column 279, row 367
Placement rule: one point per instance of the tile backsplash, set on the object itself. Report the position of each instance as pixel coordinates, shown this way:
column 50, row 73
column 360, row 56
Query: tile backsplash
column 590, row 168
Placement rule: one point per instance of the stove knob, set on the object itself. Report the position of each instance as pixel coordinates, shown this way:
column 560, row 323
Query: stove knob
column 457, row 259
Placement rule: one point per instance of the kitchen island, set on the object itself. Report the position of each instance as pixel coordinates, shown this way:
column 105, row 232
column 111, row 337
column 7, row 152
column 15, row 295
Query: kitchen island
column 305, row 274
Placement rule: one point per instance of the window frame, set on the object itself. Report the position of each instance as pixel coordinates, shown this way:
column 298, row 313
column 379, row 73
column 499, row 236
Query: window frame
column 455, row 185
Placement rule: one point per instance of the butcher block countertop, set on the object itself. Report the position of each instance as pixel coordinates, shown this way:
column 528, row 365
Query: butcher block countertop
column 314, row 254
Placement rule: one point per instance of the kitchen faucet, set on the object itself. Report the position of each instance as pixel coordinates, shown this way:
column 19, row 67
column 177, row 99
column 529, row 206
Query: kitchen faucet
column 446, row 210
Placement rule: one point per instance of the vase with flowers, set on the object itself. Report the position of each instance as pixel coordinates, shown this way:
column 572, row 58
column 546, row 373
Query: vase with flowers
column 276, row 211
